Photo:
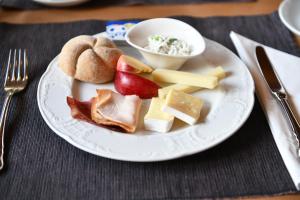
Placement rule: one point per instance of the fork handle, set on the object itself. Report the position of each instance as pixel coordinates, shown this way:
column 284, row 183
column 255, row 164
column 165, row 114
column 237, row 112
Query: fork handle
column 2, row 125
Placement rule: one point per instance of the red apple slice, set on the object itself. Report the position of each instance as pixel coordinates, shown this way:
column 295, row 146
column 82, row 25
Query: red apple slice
column 132, row 65
column 131, row 84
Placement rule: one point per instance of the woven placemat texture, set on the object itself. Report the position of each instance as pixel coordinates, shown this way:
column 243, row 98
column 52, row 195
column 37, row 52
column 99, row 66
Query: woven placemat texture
column 41, row 165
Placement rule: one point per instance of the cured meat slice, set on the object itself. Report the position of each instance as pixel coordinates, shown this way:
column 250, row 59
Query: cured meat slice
column 108, row 109
column 80, row 110
column 111, row 108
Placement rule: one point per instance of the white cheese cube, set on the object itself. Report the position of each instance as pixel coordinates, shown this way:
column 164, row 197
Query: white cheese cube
column 156, row 119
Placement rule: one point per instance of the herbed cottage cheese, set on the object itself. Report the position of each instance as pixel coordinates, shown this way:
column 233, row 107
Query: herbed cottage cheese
column 168, row 45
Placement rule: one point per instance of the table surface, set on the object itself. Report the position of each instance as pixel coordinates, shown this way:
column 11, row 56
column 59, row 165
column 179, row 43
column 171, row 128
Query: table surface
column 146, row 11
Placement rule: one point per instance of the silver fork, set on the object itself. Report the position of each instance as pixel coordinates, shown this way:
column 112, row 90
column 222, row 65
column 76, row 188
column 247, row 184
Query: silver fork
column 15, row 81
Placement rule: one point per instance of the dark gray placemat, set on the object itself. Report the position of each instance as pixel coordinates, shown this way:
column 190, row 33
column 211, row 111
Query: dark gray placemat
column 41, row 165
column 29, row 4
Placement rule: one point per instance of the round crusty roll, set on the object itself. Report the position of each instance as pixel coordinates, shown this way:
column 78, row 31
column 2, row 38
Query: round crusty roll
column 89, row 59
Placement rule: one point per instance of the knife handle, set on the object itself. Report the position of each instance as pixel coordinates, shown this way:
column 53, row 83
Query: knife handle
column 291, row 119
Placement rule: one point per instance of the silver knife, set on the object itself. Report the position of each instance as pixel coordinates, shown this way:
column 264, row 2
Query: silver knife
column 278, row 91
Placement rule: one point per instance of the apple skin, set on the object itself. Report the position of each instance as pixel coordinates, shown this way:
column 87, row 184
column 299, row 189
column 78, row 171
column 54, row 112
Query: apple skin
column 131, row 84
column 124, row 67
column 132, row 65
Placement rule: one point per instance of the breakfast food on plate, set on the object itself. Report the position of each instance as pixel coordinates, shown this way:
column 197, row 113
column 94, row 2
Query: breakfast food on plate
column 108, row 109
column 113, row 109
column 132, row 84
column 163, row 92
column 80, row 110
column 132, row 65
column 89, row 59
column 156, row 119
column 168, row 45
column 183, row 106
column 174, row 102
column 186, row 78
column 97, row 60
column 217, row 72
column 129, row 82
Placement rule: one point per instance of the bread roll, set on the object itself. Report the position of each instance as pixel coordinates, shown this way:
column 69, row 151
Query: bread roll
column 89, row 59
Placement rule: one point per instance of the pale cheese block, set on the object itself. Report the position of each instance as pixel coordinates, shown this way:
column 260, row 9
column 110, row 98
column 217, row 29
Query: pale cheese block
column 156, row 119
column 183, row 106
column 185, row 78
column 218, row 72
column 162, row 93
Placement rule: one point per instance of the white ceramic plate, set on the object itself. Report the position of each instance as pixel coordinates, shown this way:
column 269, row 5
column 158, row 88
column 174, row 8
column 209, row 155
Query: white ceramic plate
column 60, row 3
column 226, row 109
column 289, row 13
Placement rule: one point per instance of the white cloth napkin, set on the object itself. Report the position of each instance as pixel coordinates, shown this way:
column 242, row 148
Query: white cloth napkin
column 288, row 69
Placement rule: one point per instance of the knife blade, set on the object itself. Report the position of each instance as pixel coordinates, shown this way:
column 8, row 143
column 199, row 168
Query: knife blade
column 278, row 91
column 268, row 70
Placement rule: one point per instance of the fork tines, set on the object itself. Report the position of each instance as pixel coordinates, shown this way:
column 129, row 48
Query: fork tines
column 16, row 69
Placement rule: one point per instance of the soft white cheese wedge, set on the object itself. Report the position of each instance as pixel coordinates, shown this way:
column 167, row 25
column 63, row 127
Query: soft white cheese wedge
column 156, row 119
column 183, row 106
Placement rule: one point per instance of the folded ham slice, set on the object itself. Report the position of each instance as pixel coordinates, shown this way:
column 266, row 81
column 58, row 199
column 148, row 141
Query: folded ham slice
column 111, row 108
column 80, row 110
column 108, row 109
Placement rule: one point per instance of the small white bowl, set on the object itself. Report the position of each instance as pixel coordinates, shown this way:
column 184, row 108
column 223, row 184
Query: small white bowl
column 138, row 35
column 289, row 13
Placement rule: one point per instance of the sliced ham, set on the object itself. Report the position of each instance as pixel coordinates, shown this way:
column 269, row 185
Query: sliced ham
column 80, row 110
column 108, row 109
column 111, row 108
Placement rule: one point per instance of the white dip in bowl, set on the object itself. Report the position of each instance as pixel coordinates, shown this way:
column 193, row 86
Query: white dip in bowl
column 138, row 36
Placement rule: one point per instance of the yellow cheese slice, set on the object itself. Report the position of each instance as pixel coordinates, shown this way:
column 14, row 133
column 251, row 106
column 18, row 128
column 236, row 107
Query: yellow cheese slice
column 185, row 78
column 162, row 93
column 218, row 72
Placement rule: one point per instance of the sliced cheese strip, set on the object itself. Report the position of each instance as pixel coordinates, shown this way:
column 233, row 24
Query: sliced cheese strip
column 219, row 72
column 186, row 78
column 162, row 93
